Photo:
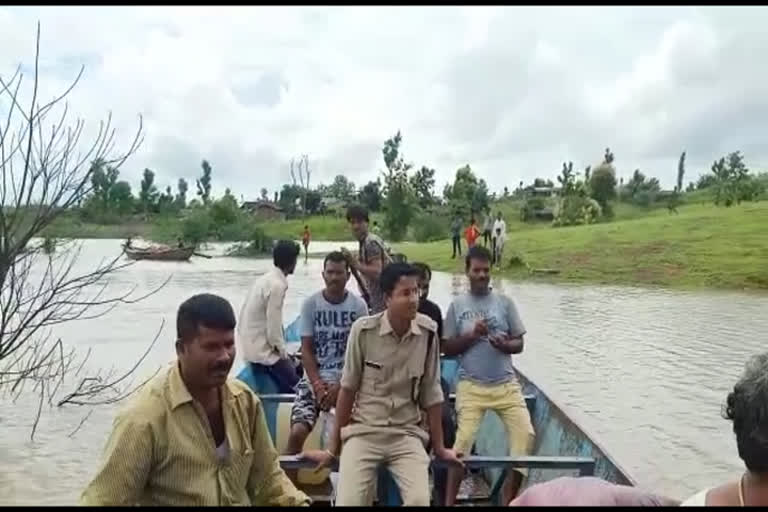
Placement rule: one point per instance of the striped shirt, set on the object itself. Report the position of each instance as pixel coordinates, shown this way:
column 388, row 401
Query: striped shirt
column 161, row 452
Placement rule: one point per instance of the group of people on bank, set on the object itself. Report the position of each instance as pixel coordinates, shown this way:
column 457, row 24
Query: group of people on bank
column 194, row 436
column 493, row 234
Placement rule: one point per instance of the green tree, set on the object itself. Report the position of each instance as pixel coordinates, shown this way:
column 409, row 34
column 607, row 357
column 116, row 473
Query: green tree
column 204, row 183
column 567, row 180
column 103, row 178
column 468, row 195
column 342, row 189
column 165, row 202
column 181, row 193
column 370, row 195
column 680, row 172
column 398, row 196
column 121, row 198
column 602, row 184
column 148, row 194
column 733, row 183
column 423, row 185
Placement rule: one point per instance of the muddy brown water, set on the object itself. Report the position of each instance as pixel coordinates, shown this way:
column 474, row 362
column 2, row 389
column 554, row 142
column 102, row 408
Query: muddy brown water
column 646, row 371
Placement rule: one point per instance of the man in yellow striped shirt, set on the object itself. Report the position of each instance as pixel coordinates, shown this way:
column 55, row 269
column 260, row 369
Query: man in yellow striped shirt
column 192, row 436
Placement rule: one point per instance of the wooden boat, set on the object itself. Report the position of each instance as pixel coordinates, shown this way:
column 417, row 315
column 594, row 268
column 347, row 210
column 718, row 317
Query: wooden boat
column 563, row 447
column 159, row 253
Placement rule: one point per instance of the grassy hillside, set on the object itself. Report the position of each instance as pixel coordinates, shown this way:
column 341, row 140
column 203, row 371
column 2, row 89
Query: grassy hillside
column 703, row 246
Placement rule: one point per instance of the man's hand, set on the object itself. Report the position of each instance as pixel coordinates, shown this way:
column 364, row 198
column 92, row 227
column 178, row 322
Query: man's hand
column 504, row 343
column 320, row 387
column 449, row 456
column 481, row 328
column 329, row 400
column 323, row 458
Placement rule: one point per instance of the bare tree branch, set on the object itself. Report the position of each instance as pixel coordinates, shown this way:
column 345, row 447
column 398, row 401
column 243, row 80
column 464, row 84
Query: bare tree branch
column 46, row 169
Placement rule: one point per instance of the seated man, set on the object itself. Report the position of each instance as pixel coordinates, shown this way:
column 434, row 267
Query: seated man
column 192, row 436
column 326, row 318
column 391, row 372
column 260, row 330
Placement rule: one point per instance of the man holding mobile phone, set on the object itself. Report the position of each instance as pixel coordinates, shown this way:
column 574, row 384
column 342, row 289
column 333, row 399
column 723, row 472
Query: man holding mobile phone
column 484, row 329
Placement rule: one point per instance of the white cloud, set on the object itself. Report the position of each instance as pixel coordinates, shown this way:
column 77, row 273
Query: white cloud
column 511, row 91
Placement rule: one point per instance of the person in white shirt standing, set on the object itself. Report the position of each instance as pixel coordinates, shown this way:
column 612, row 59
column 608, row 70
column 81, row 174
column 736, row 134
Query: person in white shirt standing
column 499, row 236
column 260, row 326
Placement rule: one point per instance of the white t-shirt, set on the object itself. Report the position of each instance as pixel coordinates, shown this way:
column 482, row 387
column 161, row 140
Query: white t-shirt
column 500, row 224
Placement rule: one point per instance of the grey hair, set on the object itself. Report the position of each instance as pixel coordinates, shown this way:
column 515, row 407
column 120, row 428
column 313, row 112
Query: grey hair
column 747, row 407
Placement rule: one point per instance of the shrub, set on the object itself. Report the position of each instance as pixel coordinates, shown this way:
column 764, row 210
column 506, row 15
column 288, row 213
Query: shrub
column 196, row 227
column 644, row 198
column 576, row 210
column 429, row 228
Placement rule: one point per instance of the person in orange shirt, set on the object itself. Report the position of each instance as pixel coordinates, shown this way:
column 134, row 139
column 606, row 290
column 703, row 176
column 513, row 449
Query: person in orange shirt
column 471, row 234
column 305, row 236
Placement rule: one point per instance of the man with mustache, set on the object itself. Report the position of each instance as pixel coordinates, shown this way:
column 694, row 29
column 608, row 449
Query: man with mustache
column 484, row 329
column 326, row 318
column 192, row 436
column 391, row 372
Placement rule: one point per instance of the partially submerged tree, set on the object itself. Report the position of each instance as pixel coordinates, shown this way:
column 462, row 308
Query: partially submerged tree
column 46, row 169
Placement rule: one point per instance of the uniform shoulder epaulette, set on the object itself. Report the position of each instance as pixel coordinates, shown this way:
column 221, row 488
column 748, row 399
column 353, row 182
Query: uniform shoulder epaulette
column 369, row 322
column 424, row 321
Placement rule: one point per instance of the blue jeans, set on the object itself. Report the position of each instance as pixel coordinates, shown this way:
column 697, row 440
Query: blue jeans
column 283, row 373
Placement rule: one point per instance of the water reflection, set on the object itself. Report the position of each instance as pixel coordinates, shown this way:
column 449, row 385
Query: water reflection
column 646, row 370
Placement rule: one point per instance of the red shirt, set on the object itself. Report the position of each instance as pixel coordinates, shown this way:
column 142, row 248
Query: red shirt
column 471, row 234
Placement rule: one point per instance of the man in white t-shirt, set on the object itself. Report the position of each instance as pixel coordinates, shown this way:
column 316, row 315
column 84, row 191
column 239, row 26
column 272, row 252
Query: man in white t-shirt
column 499, row 235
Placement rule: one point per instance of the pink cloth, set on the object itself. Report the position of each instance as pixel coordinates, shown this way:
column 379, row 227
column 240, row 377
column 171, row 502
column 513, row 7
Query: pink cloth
column 589, row 492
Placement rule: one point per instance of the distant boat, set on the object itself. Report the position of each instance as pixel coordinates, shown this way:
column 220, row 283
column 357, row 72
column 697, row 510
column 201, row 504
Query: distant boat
column 159, row 253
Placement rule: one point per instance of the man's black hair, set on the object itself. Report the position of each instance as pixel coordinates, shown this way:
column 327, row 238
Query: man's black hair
column 424, row 271
column 477, row 252
column 285, row 254
column 357, row 212
column 335, row 257
column 205, row 310
column 392, row 273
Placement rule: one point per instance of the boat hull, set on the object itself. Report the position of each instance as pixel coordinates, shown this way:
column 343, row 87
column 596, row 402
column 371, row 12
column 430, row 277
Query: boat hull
column 557, row 433
column 173, row 254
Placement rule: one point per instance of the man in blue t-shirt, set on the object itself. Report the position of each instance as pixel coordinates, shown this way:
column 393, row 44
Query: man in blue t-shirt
column 326, row 318
column 484, row 329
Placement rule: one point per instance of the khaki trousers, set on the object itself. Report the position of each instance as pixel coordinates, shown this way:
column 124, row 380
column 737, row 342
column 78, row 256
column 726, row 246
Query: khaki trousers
column 403, row 454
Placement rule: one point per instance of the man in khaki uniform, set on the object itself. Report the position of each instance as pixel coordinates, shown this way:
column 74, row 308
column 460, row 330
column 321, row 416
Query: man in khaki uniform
column 391, row 372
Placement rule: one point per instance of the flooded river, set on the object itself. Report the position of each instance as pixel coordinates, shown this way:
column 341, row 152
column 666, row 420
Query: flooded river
column 646, row 371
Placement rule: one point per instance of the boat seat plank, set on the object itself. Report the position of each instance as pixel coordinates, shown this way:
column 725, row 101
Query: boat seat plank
column 289, row 397
column 582, row 464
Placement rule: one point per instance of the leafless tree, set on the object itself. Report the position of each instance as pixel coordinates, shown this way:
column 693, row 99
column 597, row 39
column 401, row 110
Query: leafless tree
column 46, row 169
column 303, row 181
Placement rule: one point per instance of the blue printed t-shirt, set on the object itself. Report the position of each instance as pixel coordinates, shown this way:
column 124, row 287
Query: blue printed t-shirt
column 482, row 362
column 328, row 324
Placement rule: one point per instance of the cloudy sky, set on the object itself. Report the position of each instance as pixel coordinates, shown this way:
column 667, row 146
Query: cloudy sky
column 512, row 91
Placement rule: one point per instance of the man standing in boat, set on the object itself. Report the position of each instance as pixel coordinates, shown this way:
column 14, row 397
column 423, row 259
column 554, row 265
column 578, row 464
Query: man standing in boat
column 391, row 372
column 372, row 257
column 260, row 329
column 193, row 436
column 326, row 318
column 484, row 329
